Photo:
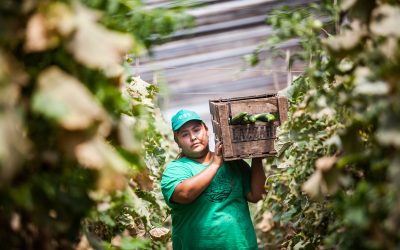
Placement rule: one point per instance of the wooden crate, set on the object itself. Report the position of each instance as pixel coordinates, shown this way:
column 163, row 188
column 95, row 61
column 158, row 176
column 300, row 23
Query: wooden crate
column 250, row 140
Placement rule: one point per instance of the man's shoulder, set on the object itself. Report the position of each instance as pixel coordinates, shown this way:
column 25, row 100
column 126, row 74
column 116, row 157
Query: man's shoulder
column 177, row 163
column 180, row 161
column 176, row 168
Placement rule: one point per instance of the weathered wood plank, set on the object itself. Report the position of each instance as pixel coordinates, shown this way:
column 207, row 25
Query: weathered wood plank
column 283, row 106
column 224, row 128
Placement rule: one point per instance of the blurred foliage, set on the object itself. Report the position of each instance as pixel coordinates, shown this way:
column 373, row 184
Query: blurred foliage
column 335, row 181
column 82, row 144
column 149, row 27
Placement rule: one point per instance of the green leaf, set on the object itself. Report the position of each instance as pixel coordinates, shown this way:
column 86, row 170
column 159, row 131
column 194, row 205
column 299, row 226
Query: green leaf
column 356, row 217
column 386, row 19
column 129, row 243
column 106, row 218
column 65, row 99
column 288, row 215
column 347, row 41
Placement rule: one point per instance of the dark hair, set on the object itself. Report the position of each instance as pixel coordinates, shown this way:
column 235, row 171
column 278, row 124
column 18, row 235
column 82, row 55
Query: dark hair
column 181, row 154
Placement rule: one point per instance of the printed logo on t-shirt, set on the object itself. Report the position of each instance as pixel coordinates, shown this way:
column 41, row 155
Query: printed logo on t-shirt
column 220, row 188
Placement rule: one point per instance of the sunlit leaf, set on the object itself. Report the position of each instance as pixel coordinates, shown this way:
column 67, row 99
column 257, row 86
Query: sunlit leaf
column 138, row 90
column 62, row 97
column 369, row 88
column 159, row 233
column 299, row 245
column 388, row 46
column 325, row 163
column 288, row 91
column 83, row 244
column 94, row 45
column 98, row 154
column 140, row 205
column 12, row 76
column 313, row 185
column 364, row 85
column 266, row 224
column 126, row 134
column 347, row 4
column 60, row 18
column 394, row 171
column 386, row 19
column 283, row 143
column 15, row 222
column 334, row 140
column 345, row 65
column 142, row 180
column 389, row 137
column 38, row 35
column 348, row 39
column 14, row 146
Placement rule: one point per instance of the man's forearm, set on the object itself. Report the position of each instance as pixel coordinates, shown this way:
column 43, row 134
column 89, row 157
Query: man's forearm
column 189, row 189
column 258, row 178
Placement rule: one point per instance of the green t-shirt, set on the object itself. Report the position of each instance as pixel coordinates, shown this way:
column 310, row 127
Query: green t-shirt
column 219, row 218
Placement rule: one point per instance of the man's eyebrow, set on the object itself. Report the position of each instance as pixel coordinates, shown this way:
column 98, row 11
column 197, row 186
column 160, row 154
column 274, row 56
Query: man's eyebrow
column 191, row 127
column 181, row 131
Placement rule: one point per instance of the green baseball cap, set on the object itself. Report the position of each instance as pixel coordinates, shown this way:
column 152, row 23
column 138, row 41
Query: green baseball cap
column 182, row 117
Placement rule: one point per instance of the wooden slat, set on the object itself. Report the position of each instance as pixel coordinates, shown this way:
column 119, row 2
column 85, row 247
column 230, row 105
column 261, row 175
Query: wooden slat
column 257, row 106
column 283, row 108
column 225, row 134
column 252, row 149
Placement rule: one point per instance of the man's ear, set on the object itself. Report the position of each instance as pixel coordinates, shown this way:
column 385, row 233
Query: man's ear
column 205, row 126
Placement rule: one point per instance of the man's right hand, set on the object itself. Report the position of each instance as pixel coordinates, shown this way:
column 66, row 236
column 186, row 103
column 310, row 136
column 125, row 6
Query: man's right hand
column 217, row 157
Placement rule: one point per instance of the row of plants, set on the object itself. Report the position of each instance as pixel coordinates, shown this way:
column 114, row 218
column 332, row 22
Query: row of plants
column 82, row 143
column 335, row 181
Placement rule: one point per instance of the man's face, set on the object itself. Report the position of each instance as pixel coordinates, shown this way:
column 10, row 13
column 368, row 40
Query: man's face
column 192, row 137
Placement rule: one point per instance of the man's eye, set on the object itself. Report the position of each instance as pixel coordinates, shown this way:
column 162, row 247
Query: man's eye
column 184, row 134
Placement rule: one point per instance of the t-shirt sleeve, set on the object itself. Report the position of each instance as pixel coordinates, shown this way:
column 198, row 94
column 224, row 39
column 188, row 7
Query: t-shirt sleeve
column 174, row 174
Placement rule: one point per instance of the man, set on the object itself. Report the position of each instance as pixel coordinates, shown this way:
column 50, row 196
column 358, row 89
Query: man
column 208, row 196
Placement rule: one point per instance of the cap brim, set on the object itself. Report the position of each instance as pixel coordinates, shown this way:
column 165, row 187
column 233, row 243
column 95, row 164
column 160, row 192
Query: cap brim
column 183, row 123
